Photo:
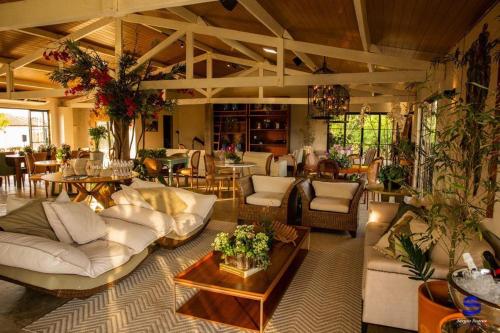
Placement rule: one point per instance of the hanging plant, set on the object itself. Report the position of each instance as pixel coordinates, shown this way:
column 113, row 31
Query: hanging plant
column 117, row 94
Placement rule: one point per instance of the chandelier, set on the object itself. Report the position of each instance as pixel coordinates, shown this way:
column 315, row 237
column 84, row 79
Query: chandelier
column 327, row 101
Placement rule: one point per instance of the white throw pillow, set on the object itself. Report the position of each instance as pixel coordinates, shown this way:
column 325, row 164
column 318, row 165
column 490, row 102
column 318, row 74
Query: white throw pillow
column 81, row 222
column 54, row 221
column 271, row 184
column 105, row 255
column 160, row 222
column 136, row 237
column 134, row 198
column 199, row 204
column 338, row 190
column 184, row 223
column 14, row 202
column 119, row 198
column 139, row 183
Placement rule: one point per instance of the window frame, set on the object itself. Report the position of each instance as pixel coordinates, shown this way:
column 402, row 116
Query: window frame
column 31, row 126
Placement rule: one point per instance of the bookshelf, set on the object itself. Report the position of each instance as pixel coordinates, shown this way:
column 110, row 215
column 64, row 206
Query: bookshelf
column 252, row 127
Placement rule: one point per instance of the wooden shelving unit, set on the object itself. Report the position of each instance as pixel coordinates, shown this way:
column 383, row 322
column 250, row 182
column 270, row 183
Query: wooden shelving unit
column 252, row 127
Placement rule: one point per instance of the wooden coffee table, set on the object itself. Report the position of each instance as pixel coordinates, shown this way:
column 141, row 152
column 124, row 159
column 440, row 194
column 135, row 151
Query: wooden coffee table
column 245, row 303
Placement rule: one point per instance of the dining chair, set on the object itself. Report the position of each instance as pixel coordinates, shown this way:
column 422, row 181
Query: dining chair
column 212, row 177
column 191, row 172
column 369, row 156
column 354, row 159
column 6, row 170
column 372, row 177
column 34, row 174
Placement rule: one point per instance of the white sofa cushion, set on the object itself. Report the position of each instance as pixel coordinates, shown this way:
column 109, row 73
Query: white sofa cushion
column 14, row 202
column 161, row 223
column 54, row 221
column 268, row 199
column 42, row 255
column 81, row 222
column 105, row 255
column 134, row 236
column 199, row 204
column 184, row 223
column 271, row 184
column 134, row 197
column 475, row 247
column 330, row 204
column 338, row 190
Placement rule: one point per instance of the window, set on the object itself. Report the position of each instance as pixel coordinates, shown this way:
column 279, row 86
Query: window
column 376, row 133
column 24, row 128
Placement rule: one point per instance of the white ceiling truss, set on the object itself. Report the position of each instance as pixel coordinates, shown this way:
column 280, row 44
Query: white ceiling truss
column 255, row 70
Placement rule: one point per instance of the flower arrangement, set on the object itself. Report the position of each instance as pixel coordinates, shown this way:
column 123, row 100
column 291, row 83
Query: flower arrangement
column 97, row 134
column 63, row 153
column 117, row 94
column 246, row 244
column 341, row 155
column 230, row 154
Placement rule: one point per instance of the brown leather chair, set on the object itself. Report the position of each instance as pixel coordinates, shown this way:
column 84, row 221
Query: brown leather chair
column 191, row 172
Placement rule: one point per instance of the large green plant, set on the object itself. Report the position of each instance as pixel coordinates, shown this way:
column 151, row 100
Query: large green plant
column 97, row 134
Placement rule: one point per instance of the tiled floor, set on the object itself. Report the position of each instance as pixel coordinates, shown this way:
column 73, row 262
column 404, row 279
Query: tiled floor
column 20, row 306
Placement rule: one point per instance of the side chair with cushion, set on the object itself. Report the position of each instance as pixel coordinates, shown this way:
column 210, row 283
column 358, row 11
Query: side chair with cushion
column 191, row 172
column 331, row 204
column 212, row 177
column 266, row 197
column 372, row 176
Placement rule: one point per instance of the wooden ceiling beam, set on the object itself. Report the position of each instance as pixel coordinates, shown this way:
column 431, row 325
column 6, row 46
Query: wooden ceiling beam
column 189, row 16
column 242, row 73
column 364, row 31
column 79, row 34
column 158, row 48
column 309, row 48
column 380, row 90
column 37, row 67
column 28, row 84
column 35, row 13
column 254, row 8
column 250, row 63
column 168, row 32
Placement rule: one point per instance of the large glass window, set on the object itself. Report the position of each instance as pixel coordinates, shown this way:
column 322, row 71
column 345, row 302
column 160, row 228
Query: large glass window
column 376, row 133
column 24, row 128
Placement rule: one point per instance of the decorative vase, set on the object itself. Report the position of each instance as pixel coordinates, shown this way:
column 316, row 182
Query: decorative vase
column 430, row 313
column 243, row 262
column 96, row 156
column 79, row 165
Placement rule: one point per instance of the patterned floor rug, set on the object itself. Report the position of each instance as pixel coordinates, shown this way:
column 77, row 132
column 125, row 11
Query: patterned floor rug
column 324, row 296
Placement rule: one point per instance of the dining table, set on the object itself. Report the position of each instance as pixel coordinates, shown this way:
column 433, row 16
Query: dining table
column 354, row 169
column 237, row 168
column 18, row 159
column 98, row 187
column 48, row 164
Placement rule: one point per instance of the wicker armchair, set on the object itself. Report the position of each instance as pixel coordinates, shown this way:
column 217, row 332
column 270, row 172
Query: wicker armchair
column 251, row 212
column 326, row 219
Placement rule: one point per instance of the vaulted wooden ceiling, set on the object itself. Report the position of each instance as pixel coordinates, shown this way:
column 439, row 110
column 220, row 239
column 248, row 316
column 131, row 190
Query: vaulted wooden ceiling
column 424, row 28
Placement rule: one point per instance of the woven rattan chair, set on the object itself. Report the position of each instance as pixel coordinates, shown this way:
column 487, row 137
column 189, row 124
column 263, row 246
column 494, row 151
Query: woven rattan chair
column 326, row 219
column 285, row 213
column 191, row 172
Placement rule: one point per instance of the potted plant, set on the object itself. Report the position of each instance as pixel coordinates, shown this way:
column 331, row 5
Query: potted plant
column 97, row 134
column 26, row 150
column 393, row 176
column 341, row 155
column 245, row 249
column 406, row 152
column 433, row 301
column 63, row 153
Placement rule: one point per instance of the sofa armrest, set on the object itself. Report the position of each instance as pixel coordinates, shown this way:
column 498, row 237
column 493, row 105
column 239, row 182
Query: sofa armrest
column 382, row 212
column 307, row 193
column 245, row 188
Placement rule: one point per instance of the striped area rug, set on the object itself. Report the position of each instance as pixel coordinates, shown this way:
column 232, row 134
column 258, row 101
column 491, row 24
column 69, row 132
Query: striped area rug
column 324, row 296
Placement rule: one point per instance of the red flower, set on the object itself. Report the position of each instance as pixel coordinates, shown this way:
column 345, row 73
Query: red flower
column 131, row 106
column 156, row 115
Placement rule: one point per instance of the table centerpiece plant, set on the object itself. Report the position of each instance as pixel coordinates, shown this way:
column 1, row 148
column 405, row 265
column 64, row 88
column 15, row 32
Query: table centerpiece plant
column 393, row 176
column 230, row 155
column 245, row 249
column 340, row 154
column 63, row 153
column 97, row 134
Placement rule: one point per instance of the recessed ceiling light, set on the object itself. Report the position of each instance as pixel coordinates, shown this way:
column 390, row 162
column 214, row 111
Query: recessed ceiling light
column 228, row 65
column 270, row 50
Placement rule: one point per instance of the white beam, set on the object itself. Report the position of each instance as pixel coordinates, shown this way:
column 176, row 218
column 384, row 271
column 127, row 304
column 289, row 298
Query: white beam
column 9, row 81
column 168, row 32
column 210, row 73
column 189, row 16
column 251, row 63
column 254, row 8
column 34, row 94
column 310, row 48
column 35, row 13
column 81, row 33
column 364, row 31
column 242, row 73
column 28, row 84
column 158, row 48
column 303, row 80
column 261, row 89
column 381, row 90
column 280, row 62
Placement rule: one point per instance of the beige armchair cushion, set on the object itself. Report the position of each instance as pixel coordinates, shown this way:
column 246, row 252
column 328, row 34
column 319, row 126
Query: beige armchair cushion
column 271, row 184
column 330, row 204
column 268, row 199
column 335, row 189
